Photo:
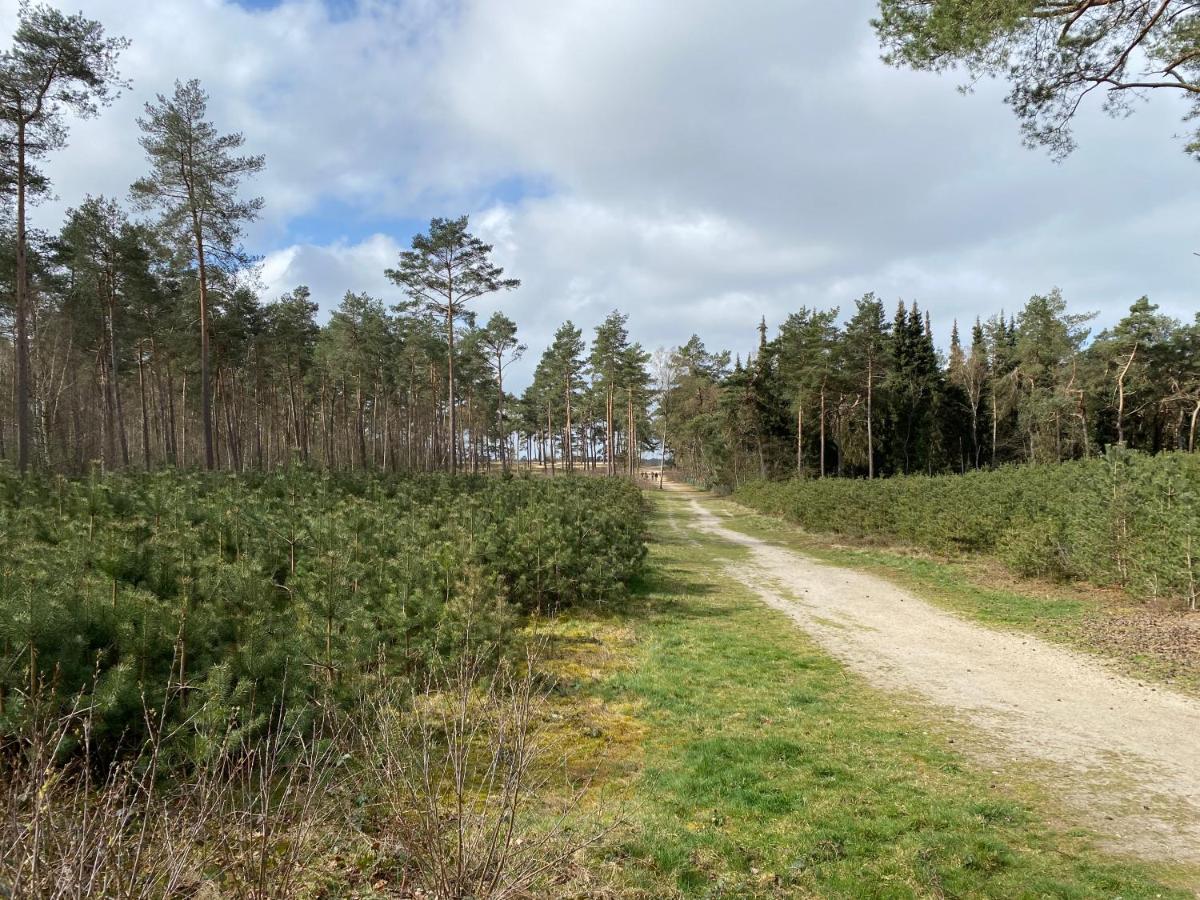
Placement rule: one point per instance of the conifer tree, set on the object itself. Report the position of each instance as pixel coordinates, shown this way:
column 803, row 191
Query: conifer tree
column 445, row 270
column 501, row 348
column 96, row 244
column 911, row 386
column 1134, row 356
column 57, row 63
column 1048, row 343
column 866, row 346
column 292, row 329
column 194, row 184
column 807, row 361
column 695, row 404
column 1054, row 52
column 635, row 378
column 609, row 349
column 565, row 370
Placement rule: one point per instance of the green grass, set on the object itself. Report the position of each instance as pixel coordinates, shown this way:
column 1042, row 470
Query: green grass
column 766, row 770
column 976, row 588
column 949, row 583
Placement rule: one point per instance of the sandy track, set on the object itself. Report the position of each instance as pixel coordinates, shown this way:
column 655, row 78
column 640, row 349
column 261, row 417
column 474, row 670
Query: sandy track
column 1126, row 756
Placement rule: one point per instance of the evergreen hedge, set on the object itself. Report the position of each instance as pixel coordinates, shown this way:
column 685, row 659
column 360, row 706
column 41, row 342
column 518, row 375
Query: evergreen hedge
column 232, row 599
column 1127, row 519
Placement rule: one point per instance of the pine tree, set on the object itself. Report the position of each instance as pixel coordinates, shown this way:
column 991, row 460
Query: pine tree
column 1049, row 341
column 57, row 63
column 193, row 182
column 635, row 378
column 807, row 364
column 93, row 246
column 446, row 269
column 866, row 349
column 565, row 371
column 609, row 347
column 292, row 329
column 1134, row 354
column 953, row 408
column 499, row 341
column 698, row 450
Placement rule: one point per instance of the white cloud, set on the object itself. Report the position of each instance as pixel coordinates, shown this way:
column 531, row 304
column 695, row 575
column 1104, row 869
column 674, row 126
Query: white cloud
column 699, row 164
column 330, row 271
column 330, row 102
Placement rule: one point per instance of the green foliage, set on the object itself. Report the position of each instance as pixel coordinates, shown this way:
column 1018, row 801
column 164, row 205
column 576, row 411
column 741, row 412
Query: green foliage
column 1052, row 53
column 1127, row 519
column 227, row 597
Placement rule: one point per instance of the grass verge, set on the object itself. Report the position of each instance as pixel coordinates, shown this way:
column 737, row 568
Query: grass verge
column 759, row 768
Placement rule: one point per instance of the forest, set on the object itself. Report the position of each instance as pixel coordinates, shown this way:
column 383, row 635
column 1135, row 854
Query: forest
column 136, row 338
column 142, row 342
column 308, row 596
column 874, row 396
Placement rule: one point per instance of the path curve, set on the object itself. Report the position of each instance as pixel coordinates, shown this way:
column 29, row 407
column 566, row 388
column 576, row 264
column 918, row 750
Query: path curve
column 1124, row 754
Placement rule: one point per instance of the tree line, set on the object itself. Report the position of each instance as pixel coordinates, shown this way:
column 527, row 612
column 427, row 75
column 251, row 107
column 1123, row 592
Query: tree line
column 875, row 396
column 135, row 335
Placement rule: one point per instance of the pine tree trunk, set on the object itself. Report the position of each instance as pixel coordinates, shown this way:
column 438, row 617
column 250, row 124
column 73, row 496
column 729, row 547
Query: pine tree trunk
column 870, row 418
column 145, row 410
column 568, row 441
column 173, row 421
column 118, row 409
column 822, row 429
column 800, row 438
column 106, row 418
column 450, row 384
column 631, row 436
column 500, row 415
column 206, row 397
column 24, row 375
column 362, row 425
column 609, row 455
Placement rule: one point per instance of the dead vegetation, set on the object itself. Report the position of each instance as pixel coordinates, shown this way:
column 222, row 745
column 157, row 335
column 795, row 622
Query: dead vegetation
column 460, row 785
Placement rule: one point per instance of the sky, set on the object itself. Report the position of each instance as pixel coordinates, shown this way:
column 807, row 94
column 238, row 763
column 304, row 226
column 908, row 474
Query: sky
column 696, row 165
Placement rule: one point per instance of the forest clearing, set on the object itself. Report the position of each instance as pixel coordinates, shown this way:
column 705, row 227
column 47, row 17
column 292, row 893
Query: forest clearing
column 685, row 739
column 598, row 451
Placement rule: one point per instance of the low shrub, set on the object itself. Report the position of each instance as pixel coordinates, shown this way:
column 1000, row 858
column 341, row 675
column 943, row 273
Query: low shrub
column 454, row 785
column 253, row 594
column 1126, row 519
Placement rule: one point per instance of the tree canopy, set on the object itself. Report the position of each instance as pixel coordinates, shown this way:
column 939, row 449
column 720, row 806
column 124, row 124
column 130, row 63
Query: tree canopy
column 1054, row 53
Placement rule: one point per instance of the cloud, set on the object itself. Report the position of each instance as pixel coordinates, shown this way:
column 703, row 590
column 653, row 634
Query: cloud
column 330, row 271
column 784, row 129
column 697, row 165
column 328, row 99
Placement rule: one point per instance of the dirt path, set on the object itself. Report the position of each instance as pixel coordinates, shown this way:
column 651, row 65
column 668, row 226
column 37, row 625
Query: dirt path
column 1125, row 755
